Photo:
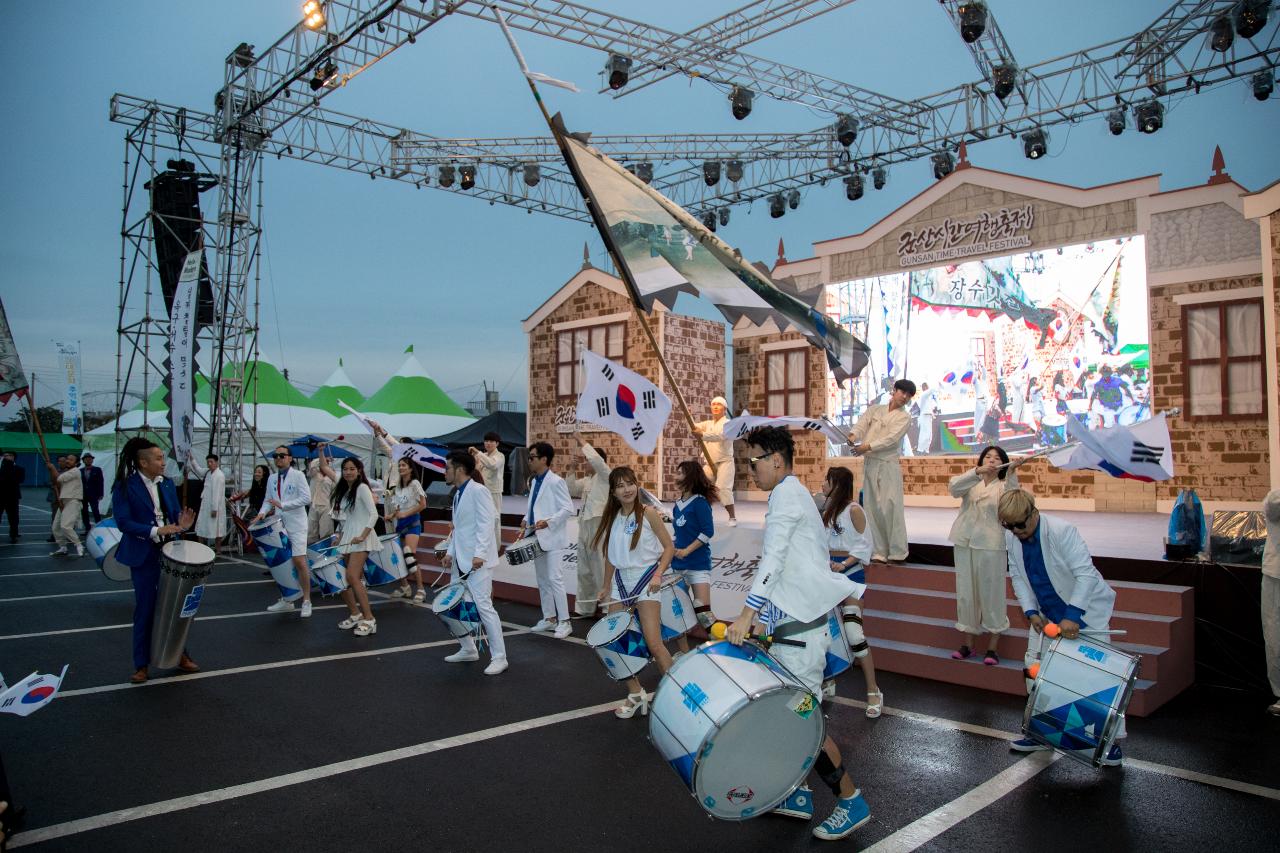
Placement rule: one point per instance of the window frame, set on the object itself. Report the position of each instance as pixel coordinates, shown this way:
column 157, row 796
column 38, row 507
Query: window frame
column 1223, row 361
column 575, row 363
column 786, row 390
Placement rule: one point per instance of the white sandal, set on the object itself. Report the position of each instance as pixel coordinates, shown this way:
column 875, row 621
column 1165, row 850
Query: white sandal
column 635, row 702
column 350, row 622
column 366, row 627
column 874, row 709
column 420, row 596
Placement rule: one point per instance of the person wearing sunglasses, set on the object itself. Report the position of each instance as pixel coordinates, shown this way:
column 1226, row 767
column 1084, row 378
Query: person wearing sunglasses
column 877, row 437
column 547, row 516
column 791, row 595
column 289, row 495
column 1054, row 580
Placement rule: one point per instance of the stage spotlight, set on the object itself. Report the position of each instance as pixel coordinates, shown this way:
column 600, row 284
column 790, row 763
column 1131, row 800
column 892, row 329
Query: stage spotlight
column 943, row 164
column 532, row 174
column 973, row 21
column 1035, row 143
column 468, row 177
column 1116, row 121
column 1251, row 17
column 879, row 175
column 323, row 76
column 313, row 14
column 741, row 98
column 724, row 216
column 644, row 171
column 1221, row 35
column 709, row 221
column 853, row 187
column 1003, row 80
column 793, row 199
column 777, row 206
column 734, row 170
column 619, row 69
column 1263, row 85
column 1148, row 116
column 711, row 172
column 445, row 176
column 846, row 130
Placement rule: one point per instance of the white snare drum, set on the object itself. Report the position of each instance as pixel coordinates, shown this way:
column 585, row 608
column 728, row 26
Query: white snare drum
column 677, row 613
column 523, row 550
column 737, row 727
column 387, row 565
column 1078, row 700
column 617, row 640
column 442, row 547
column 839, row 657
column 273, row 543
column 102, row 541
column 457, row 610
column 329, row 576
column 319, row 552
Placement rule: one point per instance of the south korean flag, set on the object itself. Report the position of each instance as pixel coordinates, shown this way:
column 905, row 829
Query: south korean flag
column 622, row 401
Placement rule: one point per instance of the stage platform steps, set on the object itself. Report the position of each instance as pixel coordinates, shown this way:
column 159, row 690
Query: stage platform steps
column 910, row 622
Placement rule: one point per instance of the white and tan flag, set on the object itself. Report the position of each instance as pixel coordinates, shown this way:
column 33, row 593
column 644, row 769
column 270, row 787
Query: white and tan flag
column 739, row 427
column 622, row 401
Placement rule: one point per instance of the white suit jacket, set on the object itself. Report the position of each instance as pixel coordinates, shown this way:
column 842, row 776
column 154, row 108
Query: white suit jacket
column 1271, row 550
column 1070, row 568
column 473, row 528
column 795, row 570
column 293, row 494
column 555, row 508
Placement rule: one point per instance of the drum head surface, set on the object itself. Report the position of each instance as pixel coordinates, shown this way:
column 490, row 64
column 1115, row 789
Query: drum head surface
column 114, row 569
column 188, row 553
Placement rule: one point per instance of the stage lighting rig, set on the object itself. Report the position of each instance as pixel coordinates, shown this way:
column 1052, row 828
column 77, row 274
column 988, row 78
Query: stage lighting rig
column 1221, row 34
column 777, row 206
column 846, row 130
column 532, row 174
column 1148, row 116
column 618, row 67
column 793, row 199
column 1263, row 85
column 1035, row 143
column 1116, row 121
column 973, row 21
column 724, row 216
column 445, row 176
column 709, row 221
column 854, row 187
column 468, row 177
column 324, row 76
column 313, row 14
column 644, row 171
column 1251, row 17
column 943, row 164
column 734, row 170
column 711, row 172
column 740, row 98
column 1004, row 78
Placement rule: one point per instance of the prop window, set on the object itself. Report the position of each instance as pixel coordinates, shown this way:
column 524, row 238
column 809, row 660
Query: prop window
column 786, row 382
column 1222, row 366
column 608, row 340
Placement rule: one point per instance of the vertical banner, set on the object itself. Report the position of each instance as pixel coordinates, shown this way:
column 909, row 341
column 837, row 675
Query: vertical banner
column 69, row 363
column 182, row 372
column 12, row 378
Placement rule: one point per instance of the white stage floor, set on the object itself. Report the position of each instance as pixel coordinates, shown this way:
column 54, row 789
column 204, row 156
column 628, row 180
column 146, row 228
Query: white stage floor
column 1132, row 536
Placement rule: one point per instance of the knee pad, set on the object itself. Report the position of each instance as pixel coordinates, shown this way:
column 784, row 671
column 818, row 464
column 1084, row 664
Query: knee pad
column 703, row 614
column 828, row 772
column 851, row 614
column 410, row 562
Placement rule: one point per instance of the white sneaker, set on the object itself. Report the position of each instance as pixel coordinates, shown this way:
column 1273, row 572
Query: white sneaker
column 61, row 552
column 281, row 606
column 462, row 656
column 543, row 625
column 562, row 630
column 497, row 666
column 306, row 610
column 733, row 522
column 79, row 550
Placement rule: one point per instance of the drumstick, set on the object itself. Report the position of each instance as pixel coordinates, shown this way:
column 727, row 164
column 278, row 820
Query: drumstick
column 718, row 630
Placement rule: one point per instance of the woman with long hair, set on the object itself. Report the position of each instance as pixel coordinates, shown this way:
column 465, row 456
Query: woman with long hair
column 404, row 501
column 256, row 493
column 850, row 547
column 694, row 528
column 356, row 516
column 637, row 551
column 980, row 555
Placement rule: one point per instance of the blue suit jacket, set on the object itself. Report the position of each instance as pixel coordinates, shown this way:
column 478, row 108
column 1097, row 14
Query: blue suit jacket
column 135, row 515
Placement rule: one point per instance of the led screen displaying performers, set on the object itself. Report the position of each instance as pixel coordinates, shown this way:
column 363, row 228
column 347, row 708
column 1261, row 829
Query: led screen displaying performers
column 1004, row 349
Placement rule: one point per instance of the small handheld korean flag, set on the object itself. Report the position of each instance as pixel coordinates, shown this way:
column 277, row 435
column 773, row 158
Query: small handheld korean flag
column 31, row 693
column 622, row 401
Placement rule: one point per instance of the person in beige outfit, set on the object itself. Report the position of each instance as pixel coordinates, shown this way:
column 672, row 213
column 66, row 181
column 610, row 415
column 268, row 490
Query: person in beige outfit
column 69, row 486
column 877, row 437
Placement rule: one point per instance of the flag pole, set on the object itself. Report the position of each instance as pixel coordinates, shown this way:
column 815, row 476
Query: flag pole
column 602, row 228
column 35, row 419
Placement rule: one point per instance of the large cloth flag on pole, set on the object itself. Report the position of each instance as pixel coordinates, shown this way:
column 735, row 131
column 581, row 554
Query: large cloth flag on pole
column 1139, row 452
column 361, row 418
column 31, row 693
column 69, row 361
column 12, row 378
column 664, row 251
column 182, row 359
column 429, row 456
column 622, row 401
column 744, row 423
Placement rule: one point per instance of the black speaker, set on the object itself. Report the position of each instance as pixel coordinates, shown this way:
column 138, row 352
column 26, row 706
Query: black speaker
column 439, row 495
column 176, row 227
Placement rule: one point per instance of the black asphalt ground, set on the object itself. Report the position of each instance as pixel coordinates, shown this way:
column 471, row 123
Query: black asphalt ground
column 297, row 736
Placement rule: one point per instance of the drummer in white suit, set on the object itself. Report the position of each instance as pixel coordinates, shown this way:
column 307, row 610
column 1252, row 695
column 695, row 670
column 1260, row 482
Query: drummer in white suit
column 791, row 595
column 720, row 449
column 1054, row 580
column 548, row 514
column 472, row 555
column 288, row 495
column 211, row 523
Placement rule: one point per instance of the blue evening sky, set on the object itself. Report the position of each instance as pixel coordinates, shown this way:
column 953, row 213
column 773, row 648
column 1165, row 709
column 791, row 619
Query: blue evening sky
column 360, row 269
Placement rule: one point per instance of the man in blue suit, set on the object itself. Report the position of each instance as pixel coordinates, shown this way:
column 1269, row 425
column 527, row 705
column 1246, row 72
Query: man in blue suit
column 146, row 510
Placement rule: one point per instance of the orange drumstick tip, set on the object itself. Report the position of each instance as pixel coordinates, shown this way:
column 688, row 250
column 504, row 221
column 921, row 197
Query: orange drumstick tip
column 717, row 630
column 1033, row 671
column 1051, row 630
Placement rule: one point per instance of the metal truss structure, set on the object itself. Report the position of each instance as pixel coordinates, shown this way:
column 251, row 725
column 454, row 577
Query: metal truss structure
column 271, row 103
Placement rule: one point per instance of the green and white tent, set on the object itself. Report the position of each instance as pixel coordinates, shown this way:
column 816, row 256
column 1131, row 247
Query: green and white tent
column 337, row 387
column 410, row 403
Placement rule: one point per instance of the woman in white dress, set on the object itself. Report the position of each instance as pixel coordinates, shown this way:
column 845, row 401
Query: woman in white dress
column 981, row 558
column 356, row 516
column 637, row 551
column 211, row 523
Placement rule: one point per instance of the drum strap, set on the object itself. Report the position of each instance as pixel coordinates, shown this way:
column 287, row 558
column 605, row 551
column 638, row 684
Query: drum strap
column 628, row 597
column 790, row 629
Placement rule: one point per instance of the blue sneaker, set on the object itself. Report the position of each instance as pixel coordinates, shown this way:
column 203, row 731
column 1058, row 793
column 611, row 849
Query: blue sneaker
column 850, row 813
column 1114, row 757
column 1026, row 744
column 798, row 804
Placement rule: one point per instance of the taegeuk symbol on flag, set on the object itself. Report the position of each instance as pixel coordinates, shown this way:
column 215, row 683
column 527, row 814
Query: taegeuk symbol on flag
column 622, row 401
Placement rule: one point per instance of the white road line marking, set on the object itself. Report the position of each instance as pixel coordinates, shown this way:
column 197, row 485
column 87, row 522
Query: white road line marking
column 35, row 508
column 88, row 824
column 258, row 667
column 923, row 830
column 936, row 722
column 4, row 575
column 128, row 589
